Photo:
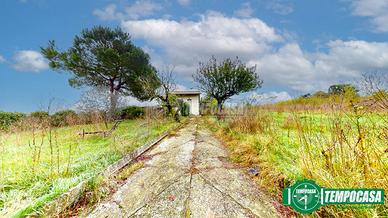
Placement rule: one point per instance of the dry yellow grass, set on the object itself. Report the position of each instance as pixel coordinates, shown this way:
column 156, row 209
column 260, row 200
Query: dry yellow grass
column 338, row 149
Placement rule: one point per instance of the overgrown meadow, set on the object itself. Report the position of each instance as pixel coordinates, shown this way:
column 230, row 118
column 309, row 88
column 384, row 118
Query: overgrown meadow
column 337, row 143
column 39, row 162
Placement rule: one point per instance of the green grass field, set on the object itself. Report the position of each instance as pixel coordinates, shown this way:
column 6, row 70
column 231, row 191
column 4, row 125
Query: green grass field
column 33, row 173
column 336, row 149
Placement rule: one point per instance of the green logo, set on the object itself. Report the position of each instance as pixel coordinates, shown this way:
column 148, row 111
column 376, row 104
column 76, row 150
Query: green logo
column 306, row 196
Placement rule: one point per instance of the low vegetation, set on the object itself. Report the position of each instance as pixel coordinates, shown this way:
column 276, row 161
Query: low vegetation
column 131, row 112
column 39, row 162
column 341, row 145
column 9, row 118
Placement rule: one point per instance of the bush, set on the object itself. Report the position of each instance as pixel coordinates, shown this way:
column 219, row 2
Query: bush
column 63, row 118
column 9, row 118
column 131, row 112
column 185, row 109
column 341, row 89
column 39, row 114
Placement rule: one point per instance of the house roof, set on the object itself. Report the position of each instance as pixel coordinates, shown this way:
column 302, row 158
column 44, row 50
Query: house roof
column 186, row 92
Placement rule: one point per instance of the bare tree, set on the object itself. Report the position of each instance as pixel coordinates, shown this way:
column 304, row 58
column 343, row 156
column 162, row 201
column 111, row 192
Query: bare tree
column 164, row 92
column 376, row 85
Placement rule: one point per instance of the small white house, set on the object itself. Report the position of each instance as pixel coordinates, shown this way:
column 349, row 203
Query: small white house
column 191, row 97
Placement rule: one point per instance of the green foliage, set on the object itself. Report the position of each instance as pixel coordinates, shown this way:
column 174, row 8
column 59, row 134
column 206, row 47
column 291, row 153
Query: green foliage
column 9, row 118
column 102, row 56
column 184, row 108
column 208, row 101
column 350, row 93
column 226, row 79
column 39, row 114
column 342, row 93
column 312, row 100
column 131, row 112
column 63, row 118
column 168, row 103
column 208, row 105
column 341, row 89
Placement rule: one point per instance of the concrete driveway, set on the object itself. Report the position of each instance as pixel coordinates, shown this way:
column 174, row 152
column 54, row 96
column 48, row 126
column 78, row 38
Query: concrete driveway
column 187, row 175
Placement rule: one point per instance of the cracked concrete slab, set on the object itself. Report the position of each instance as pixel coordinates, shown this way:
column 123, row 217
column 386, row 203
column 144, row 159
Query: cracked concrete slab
column 169, row 203
column 187, row 175
column 206, row 201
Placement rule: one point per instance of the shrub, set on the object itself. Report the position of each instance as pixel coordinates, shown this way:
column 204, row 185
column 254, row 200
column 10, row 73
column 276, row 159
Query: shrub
column 9, row 118
column 131, row 112
column 184, row 108
column 208, row 106
column 341, row 89
column 39, row 114
column 63, row 118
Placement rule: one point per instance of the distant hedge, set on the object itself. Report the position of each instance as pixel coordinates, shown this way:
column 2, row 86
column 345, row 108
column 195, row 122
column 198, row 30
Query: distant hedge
column 65, row 117
column 9, row 118
column 131, row 112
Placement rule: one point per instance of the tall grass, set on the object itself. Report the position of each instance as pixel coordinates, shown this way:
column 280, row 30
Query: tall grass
column 39, row 162
column 336, row 148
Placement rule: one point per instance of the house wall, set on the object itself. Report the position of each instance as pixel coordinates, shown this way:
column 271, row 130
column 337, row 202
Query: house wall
column 194, row 102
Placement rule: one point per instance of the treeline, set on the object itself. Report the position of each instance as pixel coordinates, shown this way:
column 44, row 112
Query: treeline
column 339, row 96
column 64, row 117
column 335, row 94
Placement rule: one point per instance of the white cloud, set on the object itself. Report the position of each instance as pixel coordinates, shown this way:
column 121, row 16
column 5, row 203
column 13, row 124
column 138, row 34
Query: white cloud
column 269, row 97
column 184, row 2
column 374, row 9
column 141, row 8
column 345, row 61
column 280, row 61
column 351, row 57
column 280, row 7
column 245, row 11
column 30, row 61
column 109, row 13
column 2, row 59
column 132, row 101
column 287, row 66
column 185, row 43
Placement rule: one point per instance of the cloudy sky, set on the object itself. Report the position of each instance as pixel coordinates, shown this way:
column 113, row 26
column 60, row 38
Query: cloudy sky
column 298, row 46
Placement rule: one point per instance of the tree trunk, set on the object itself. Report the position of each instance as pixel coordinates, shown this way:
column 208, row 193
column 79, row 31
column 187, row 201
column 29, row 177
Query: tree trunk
column 169, row 108
column 220, row 116
column 168, row 105
column 113, row 97
column 219, row 106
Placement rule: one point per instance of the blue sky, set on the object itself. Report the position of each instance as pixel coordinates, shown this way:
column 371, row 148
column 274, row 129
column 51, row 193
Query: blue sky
column 298, row 46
